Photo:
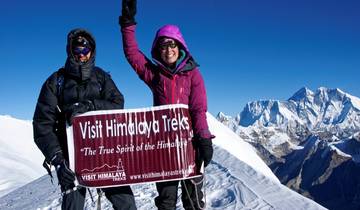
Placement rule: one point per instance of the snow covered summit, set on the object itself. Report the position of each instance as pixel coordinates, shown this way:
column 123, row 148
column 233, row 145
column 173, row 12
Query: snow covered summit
column 310, row 142
column 324, row 109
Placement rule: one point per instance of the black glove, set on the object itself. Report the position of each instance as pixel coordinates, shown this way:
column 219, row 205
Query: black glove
column 128, row 13
column 204, row 151
column 78, row 108
column 65, row 175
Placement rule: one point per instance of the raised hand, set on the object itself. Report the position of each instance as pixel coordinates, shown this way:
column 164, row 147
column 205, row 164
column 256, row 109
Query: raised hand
column 128, row 13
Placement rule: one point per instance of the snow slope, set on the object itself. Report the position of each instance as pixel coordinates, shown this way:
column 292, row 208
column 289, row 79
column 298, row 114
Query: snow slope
column 20, row 159
column 236, row 179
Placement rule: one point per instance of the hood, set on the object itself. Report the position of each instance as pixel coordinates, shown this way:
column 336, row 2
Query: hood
column 75, row 33
column 76, row 68
column 173, row 32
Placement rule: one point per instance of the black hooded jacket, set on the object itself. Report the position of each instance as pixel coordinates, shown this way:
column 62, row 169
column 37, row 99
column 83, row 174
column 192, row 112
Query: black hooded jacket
column 79, row 82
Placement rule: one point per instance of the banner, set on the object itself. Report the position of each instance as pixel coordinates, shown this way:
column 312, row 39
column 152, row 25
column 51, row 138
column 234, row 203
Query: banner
column 121, row 147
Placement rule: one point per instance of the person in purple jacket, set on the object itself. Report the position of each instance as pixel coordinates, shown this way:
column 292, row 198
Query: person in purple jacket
column 174, row 78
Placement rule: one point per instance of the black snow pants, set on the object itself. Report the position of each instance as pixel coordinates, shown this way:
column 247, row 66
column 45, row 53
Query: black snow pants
column 191, row 194
column 120, row 197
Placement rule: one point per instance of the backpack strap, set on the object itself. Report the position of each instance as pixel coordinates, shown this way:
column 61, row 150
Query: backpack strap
column 100, row 77
column 60, row 87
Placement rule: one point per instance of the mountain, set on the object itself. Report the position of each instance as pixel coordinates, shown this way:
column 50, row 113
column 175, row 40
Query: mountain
column 236, row 178
column 310, row 141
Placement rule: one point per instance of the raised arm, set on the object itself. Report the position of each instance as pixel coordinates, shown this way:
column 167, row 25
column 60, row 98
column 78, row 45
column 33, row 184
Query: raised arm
column 138, row 61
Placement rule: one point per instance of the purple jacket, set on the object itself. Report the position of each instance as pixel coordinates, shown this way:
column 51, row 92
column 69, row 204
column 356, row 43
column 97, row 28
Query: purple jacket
column 184, row 85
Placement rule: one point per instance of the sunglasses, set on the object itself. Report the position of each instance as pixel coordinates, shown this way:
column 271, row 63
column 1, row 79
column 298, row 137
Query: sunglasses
column 81, row 50
column 164, row 46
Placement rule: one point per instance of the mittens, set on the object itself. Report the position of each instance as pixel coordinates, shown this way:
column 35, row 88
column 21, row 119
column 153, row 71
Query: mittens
column 204, row 151
column 78, row 108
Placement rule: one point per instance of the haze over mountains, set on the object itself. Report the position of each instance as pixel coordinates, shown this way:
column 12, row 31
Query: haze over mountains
column 311, row 142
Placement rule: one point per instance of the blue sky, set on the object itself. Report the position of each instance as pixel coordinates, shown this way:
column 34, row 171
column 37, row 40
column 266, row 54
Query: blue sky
column 247, row 49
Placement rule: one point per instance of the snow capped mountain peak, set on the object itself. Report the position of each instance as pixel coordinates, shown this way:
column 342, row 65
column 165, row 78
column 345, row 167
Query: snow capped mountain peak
column 222, row 117
column 334, row 91
column 329, row 109
column 311, row 142
column 256, row 111
column 303, row 93
column 325, row 95
column 321, row 96
column 266, row 113
column 354, row 101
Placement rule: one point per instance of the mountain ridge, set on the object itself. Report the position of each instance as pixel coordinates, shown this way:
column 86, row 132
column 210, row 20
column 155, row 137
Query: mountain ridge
column 305, row 140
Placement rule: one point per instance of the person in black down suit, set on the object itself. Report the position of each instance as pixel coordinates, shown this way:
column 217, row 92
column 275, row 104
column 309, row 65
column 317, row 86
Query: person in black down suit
column 78, row 87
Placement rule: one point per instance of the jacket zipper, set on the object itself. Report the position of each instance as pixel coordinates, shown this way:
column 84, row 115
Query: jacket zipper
column 173, row 85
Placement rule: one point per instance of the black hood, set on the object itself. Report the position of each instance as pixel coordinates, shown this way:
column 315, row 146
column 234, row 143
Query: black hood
column 75, row 68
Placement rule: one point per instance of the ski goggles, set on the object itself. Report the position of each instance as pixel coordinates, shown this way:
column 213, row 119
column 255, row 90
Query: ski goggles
column 165, row 45
column 81, row 50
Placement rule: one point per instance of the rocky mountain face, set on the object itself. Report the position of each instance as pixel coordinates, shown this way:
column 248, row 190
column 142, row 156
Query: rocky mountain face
column 311, row 142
